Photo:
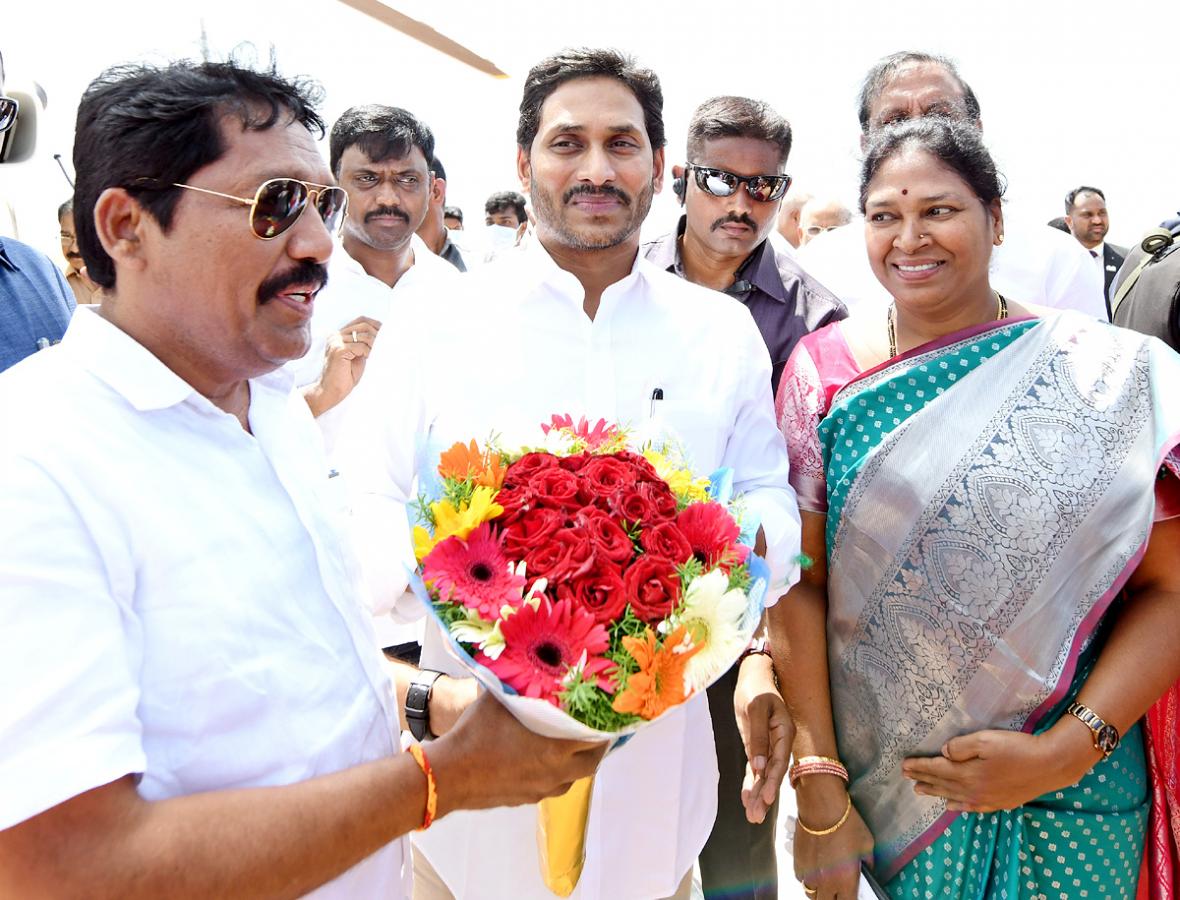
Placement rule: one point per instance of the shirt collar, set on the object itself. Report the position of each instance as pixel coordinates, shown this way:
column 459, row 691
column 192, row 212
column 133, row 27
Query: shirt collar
column 760, row 269
column 543, row 271
column 6, row 261
column 132, row 370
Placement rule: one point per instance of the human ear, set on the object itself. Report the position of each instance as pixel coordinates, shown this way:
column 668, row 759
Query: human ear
column 119, row 222
column 524, row 170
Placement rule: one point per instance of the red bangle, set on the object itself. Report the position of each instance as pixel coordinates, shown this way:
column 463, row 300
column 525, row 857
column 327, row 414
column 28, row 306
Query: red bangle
column 419, row 755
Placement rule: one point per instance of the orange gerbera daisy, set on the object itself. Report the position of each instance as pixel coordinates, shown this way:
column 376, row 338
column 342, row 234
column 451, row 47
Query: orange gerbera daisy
column 659, row 683
column 464, row 461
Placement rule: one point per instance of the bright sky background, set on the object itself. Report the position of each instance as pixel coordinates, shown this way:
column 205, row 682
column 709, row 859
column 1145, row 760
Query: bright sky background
column 1072, row 92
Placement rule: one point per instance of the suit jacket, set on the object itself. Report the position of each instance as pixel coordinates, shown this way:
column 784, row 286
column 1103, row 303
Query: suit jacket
column 1112, row 261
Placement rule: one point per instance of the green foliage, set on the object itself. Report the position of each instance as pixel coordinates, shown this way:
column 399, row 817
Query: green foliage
column 739, row 578
column 422, row 512
column 692, row 568
column 458, row 492
column 590, row 704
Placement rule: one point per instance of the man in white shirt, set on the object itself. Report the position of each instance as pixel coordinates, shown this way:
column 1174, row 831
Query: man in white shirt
column 578, row 323
column 382, row 157
column 381, row 271
column 1088, row 221
column 193, row 704
column 1034, row 265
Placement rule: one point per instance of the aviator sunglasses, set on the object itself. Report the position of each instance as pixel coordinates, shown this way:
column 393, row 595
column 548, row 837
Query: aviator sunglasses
column 279, row 202
column 8, row 110
column 719, row 183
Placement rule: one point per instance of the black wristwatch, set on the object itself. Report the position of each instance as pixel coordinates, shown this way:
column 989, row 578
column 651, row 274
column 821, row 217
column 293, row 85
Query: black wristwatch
column 1106, row 736
column 418, row 703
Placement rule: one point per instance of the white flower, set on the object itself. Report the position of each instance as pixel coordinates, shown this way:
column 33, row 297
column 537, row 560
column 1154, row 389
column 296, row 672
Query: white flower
column 558, row 442
column 712, row 614
column 473, row 630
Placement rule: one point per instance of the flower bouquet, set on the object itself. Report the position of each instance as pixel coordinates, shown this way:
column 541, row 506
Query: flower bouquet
column 589, row 585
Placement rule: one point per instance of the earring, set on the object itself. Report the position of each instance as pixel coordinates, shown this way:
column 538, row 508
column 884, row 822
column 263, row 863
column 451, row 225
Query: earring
column 999, row 239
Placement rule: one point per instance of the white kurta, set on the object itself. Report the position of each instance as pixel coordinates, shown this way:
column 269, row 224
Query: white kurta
column 176, row 601
column 514, row 348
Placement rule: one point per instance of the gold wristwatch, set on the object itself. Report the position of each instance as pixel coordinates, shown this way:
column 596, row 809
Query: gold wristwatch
column 1106, row 736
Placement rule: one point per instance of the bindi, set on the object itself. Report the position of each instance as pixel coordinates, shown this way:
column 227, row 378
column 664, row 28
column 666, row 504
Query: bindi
column 904, row 191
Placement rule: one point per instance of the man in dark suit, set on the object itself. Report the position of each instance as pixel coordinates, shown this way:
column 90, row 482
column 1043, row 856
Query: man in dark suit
column 1088, row 220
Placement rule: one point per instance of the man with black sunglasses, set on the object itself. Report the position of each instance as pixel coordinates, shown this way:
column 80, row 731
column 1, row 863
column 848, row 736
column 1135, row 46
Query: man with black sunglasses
column 193, row 702
column 731, row 188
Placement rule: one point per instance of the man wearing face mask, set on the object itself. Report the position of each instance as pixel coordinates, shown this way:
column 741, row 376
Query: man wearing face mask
column 731, row 189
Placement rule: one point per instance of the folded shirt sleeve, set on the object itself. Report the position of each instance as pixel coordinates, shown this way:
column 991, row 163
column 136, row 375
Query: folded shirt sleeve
column 68, row 722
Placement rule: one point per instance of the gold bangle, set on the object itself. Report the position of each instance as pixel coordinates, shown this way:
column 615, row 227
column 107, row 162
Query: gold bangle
column 822, row 832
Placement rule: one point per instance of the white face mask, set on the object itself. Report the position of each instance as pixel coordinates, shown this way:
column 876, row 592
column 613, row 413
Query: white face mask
column 500, row 236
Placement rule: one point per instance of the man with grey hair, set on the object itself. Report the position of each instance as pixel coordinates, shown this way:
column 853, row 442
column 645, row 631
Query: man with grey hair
column 788, row 217
column 730, row 188
column 821, row 215
column 1037, row 265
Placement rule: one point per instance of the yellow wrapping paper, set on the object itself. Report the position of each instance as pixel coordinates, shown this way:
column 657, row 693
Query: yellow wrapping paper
column 561, row 836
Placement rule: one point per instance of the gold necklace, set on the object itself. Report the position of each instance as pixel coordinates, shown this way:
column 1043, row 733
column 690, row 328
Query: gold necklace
column 891, row 317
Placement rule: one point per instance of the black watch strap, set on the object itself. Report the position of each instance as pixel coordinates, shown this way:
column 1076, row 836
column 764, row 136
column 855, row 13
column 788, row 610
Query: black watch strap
column 418, row 703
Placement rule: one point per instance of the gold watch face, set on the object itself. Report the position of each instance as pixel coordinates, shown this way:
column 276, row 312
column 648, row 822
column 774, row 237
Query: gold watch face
column 1107, row 739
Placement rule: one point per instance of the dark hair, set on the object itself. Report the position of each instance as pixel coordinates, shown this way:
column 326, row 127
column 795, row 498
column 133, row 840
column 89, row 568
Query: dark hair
column 143, row 128
column 741, row 117
column 884, row 69
column 504, row 200
column 437, row 170
column 452, row 212
column 1059, row 223
column 381, row 132
column 65, row 208
column 957, row 145
column 584, row 62
column 1072, row 197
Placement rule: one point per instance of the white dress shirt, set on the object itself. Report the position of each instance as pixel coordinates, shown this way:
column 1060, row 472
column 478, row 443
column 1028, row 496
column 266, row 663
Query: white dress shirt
column 1035, row 264
column 514, row 348
column 178, row 605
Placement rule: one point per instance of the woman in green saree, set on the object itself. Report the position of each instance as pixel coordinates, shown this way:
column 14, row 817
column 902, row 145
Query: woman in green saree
column 991, row 502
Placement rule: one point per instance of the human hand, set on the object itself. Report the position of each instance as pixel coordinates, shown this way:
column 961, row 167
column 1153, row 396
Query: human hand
column 489, row 759
column 448, row 699
column 767, row 733
column 990, row 770
column 828, row 865
column 344, row 363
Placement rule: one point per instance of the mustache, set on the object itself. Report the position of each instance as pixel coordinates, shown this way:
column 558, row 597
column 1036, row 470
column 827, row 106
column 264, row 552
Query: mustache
column 305, row 272
column 743, row 219
column 73, row 256
column 606, row 190
column 387, row 211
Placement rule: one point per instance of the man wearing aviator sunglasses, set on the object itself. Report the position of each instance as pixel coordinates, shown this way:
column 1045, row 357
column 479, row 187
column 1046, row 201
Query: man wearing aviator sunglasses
column 731, row 190
column 197, row 706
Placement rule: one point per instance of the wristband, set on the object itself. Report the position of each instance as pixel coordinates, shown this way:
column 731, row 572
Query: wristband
column 419, row 755
column 418, row 703
column 758, row 646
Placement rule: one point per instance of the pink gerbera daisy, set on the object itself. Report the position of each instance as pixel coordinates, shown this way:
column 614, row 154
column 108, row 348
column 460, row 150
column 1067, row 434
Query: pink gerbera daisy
column 474, row 572
column 541, row 645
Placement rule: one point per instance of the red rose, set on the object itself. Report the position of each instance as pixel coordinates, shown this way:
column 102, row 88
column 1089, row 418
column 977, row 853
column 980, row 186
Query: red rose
column 632, row 505
column 711, row 532
column 643, row 469
column 666, row 540
column 516, row 501
column 554, row 487
column 523, row 469
column 603, row 476
column 661, row 498
column 610, row 541
column 576, row 462
column 652, row 587
column 530, row 530
column 600, row 592
column 567, row 555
